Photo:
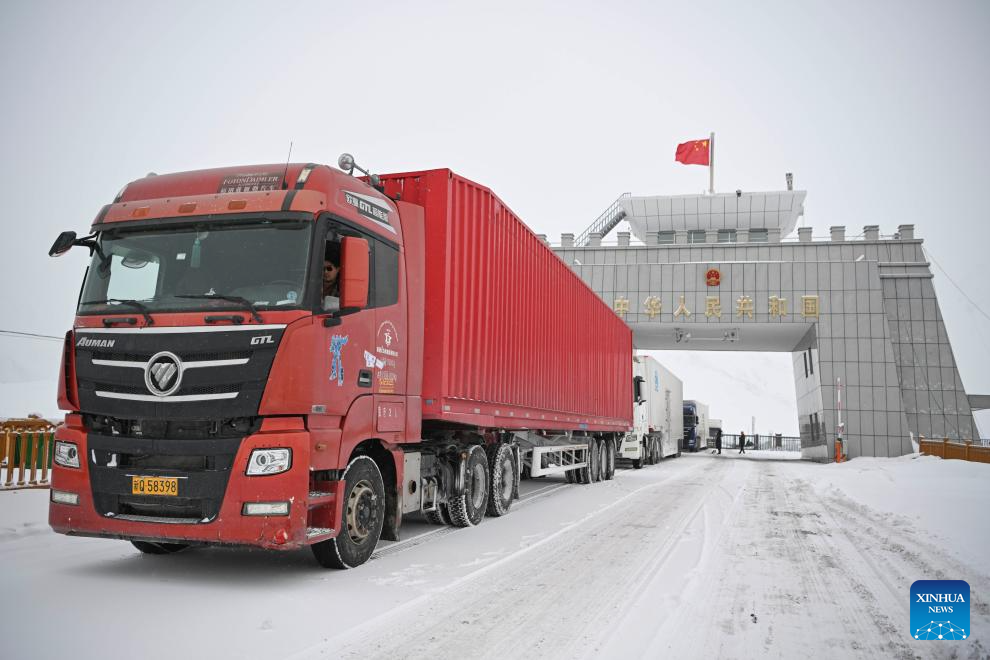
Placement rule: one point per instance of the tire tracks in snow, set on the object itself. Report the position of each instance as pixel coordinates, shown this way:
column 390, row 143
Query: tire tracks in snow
column 426, row 537
column 538, row 600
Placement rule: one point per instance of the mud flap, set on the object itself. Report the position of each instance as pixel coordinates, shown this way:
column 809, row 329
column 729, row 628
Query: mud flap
column 393, row 515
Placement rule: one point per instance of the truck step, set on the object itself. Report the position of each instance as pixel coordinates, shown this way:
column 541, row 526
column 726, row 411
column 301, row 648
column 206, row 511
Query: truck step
column 317, row 498
column 319, row 533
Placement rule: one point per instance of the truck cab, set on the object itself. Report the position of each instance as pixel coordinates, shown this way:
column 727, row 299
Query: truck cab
column 221, row 386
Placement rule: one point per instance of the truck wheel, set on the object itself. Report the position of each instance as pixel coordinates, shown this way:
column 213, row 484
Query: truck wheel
column 569, row 476
column 150, row 548
column 609, row 459
column 363, row 517
column 439, row 517
column 502, row 469
column 468, row 509
column 653, row 452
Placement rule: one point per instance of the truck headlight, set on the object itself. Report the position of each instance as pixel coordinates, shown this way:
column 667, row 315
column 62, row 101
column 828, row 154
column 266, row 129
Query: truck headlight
column 269, row 461
column 66, row 454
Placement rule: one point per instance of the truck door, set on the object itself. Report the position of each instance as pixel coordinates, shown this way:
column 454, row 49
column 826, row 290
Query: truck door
column 347, row 334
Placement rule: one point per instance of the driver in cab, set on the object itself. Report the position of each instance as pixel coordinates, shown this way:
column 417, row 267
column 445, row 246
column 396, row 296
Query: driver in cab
column 331, row 275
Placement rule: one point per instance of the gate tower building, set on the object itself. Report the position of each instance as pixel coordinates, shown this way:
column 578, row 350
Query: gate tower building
column 723, row 272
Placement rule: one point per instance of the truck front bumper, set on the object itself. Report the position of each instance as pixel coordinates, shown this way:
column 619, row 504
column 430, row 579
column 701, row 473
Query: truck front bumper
column 108, row 508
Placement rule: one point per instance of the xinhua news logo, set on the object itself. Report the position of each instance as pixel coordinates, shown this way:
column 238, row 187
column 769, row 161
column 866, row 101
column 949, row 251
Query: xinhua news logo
column 940, row 610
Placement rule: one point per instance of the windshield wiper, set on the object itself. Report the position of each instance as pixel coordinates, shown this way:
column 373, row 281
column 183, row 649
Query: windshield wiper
column 141, row 307
column 235, row 299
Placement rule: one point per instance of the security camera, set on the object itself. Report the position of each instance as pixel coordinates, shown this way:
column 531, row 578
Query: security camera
column 738, row 193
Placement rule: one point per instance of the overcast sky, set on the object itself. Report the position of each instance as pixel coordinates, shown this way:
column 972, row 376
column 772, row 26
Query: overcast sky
column 879, row 109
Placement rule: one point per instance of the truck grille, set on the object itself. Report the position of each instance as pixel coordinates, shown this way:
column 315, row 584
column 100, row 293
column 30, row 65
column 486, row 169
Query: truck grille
column 202, row 465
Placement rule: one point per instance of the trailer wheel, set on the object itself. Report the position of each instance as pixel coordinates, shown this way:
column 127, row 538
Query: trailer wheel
column 653, row 451
column 502, row 468
column 586, row 475
column 363, row 517
column 438, row 517
column 603, row 460
column 569, row 476
column 468, row 509
column 609, row 471
column 156, row 548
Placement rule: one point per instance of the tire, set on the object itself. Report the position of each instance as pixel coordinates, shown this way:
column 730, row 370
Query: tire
column 596, row 460
column 569, row 476
column 502, row 471
column 603, row 460
column 439, row 517
column 654, row 451
column 159, row 548
column 610, row 460
column 362, row 518
column 586, row 475
column 468, row 509
column 638, row 463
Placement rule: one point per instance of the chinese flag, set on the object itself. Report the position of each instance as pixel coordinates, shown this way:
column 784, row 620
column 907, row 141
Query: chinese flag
column 694, row 152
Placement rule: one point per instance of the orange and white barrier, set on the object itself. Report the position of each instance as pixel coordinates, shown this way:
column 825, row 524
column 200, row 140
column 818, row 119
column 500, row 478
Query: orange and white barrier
column 27, row 446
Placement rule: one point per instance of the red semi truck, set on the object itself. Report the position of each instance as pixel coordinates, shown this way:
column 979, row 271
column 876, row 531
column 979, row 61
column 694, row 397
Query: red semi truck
column 224, row 391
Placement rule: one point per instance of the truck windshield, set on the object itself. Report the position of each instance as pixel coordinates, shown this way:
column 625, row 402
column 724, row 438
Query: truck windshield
column 261, row 264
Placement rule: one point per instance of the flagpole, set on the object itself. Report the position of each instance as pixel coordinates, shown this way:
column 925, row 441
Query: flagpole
column 711, row 164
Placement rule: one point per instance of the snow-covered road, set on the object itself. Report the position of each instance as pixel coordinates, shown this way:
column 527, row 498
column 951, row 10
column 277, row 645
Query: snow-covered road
column 700, row 556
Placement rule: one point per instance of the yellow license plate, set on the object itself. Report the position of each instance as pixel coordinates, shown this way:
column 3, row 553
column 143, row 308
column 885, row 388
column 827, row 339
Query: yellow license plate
column 155, row 486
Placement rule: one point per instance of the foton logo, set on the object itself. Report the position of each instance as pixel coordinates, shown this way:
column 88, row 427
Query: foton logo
column 263, row 339
column 86, row 342
column 940, row 610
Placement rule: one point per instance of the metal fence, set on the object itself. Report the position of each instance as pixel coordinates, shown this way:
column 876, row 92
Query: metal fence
column 774, row 442
column 26, row 459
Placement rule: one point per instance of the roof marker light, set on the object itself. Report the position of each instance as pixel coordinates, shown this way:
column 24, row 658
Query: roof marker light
column 188, row 207
column 237, row 205
column 141, row 211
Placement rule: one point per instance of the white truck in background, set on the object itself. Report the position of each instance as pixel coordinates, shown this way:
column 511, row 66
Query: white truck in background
column 714, row 426
column 657, row 414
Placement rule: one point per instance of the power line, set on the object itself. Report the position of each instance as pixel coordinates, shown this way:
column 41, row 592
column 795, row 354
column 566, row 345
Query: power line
column 34, row 335
column 953, row 282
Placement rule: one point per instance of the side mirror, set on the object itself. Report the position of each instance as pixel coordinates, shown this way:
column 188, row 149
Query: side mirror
column 62, row 244
column 354, row 267
column 638, row 389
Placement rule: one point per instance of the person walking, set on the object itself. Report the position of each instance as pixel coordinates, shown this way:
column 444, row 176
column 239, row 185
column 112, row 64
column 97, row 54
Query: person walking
column 718, row 440
column 742, row 442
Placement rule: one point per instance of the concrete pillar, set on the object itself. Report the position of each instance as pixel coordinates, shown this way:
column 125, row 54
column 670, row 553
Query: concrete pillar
column 623, row 239
column 567, row 240
column 804, row 234
column 595, row 239
column 652, row 238
column 742, row 235
column 773, row 235
column 543, row 239
column 906, row 231
column 680, row 236
column 711, row 236
column 871, row 233
column 838, row 233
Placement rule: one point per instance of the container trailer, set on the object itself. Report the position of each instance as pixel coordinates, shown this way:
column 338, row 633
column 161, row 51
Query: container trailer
column 657, row 414
column 288, row 355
